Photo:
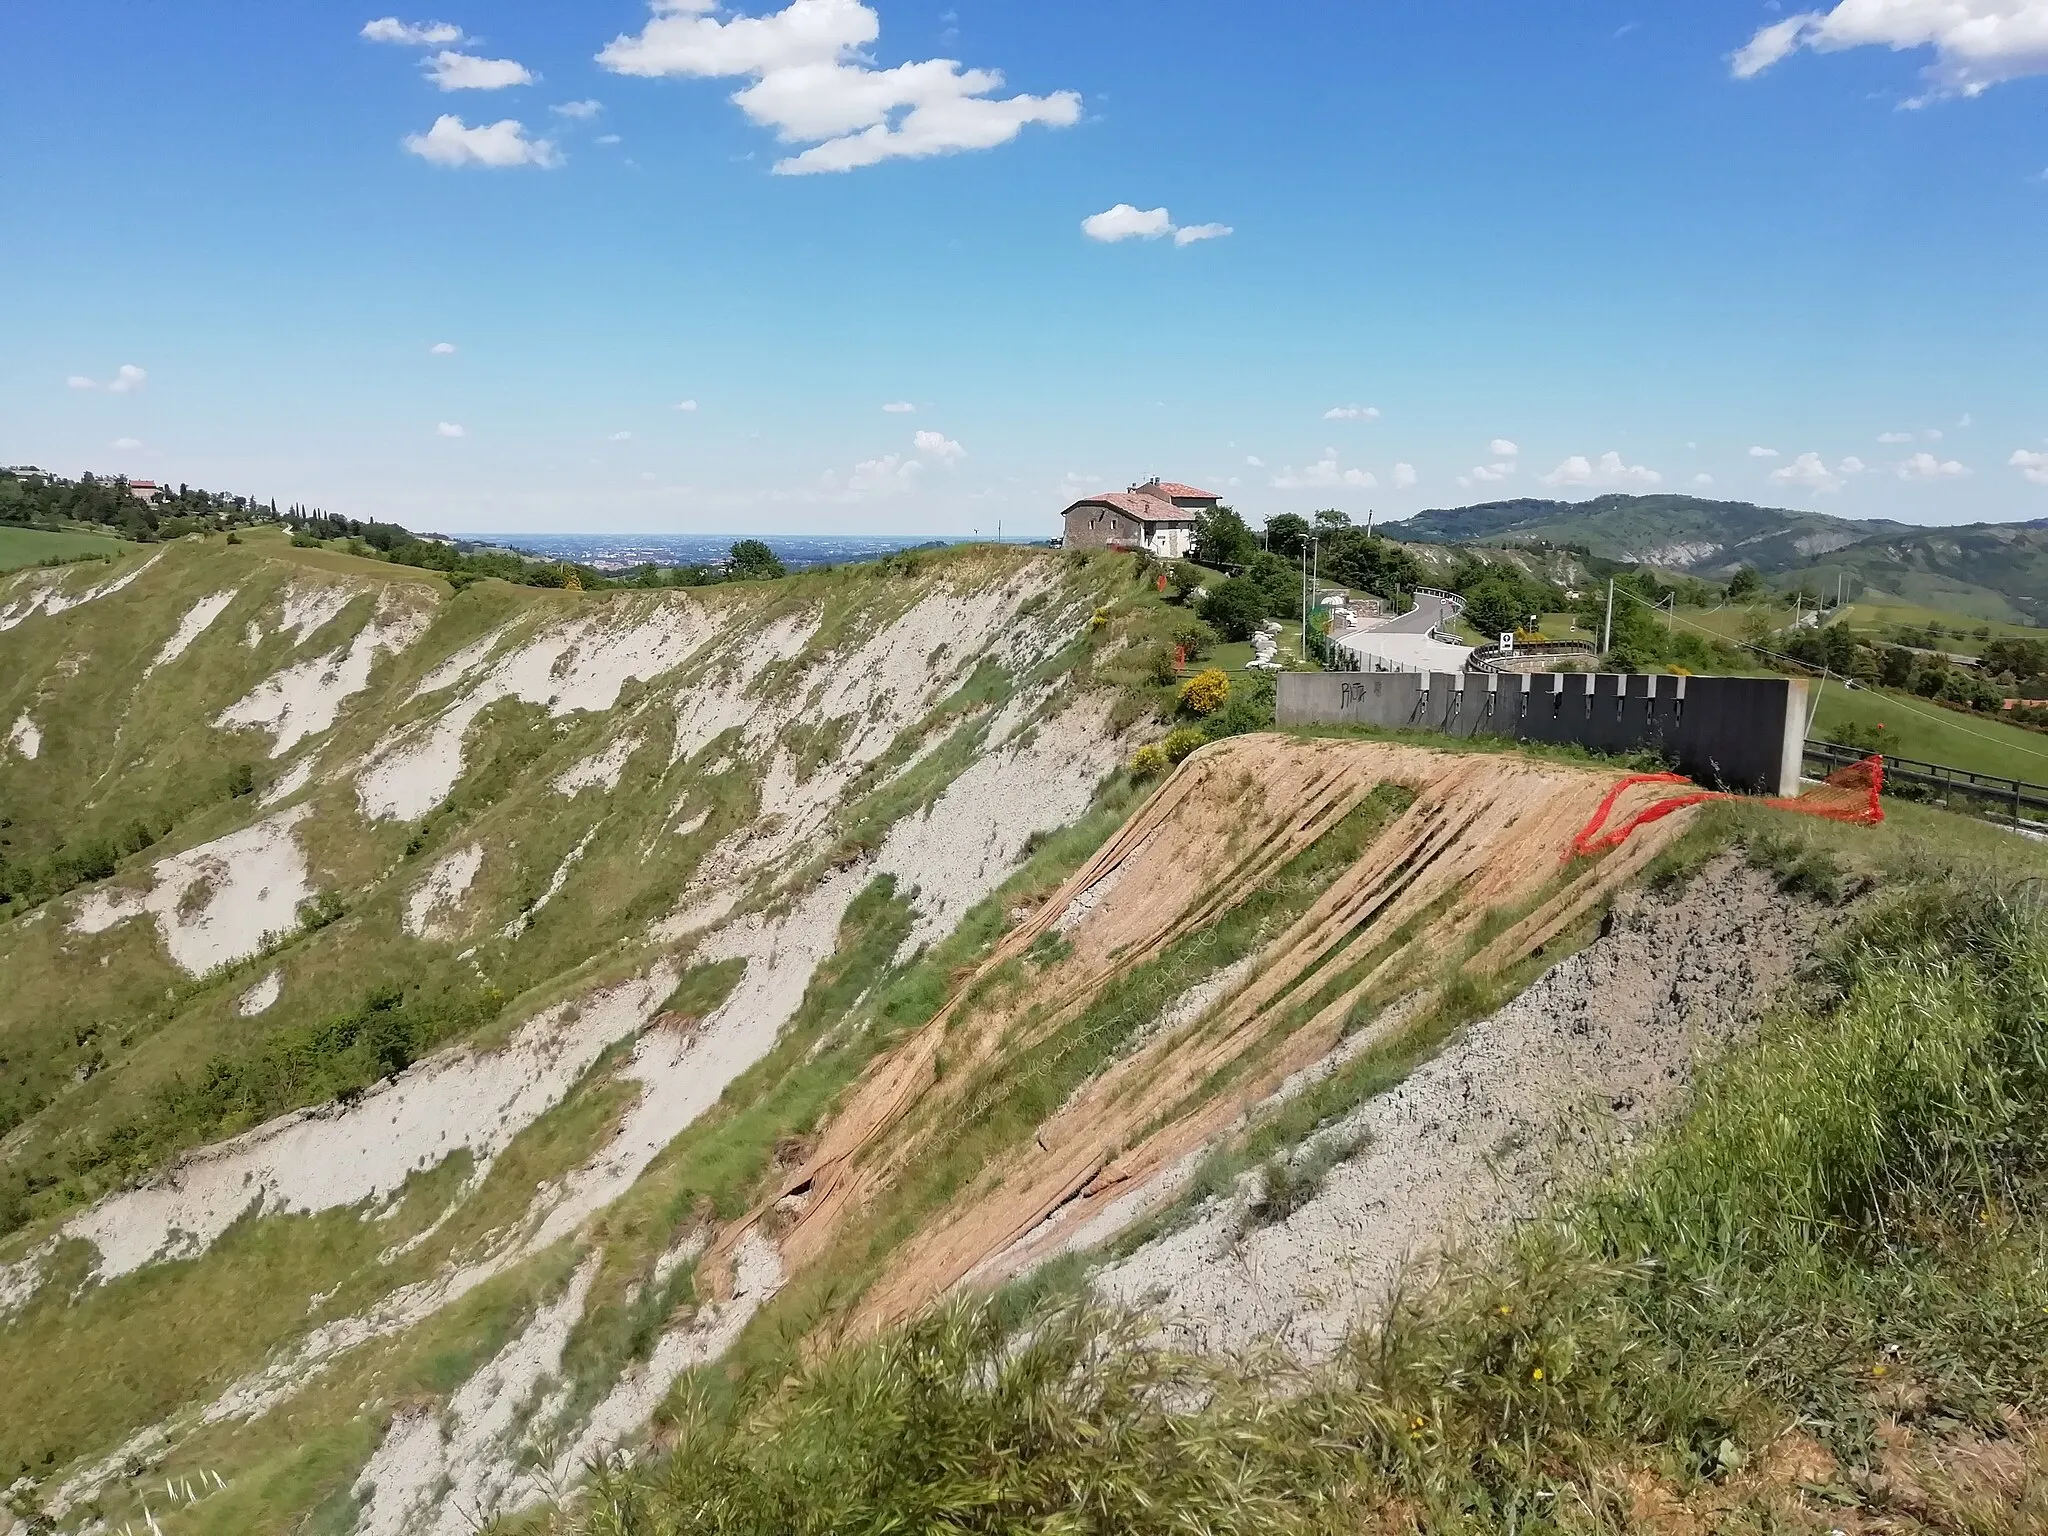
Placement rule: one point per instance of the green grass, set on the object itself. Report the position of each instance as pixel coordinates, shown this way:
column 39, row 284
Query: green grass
column 1917, row 728
column 1859, row 1201
column 21, row 547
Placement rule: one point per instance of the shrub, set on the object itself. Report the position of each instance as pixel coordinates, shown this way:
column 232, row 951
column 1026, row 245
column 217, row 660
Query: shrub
column 1205, row 692
column 1235, row 607
column 1149, row 761
column 1180, row 743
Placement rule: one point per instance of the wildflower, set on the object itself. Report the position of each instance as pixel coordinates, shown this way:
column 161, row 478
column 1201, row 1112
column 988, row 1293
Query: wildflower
column 1877, row 1370
column 1537, row 1374
column 1505, row 1311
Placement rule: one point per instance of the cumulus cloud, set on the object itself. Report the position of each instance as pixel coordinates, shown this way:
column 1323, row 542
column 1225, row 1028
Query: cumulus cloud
column 1925, row 466
column 1325, row 474
column 1404, row 476
column 1808, row 473
column 1188, row 234
column 1895, row 437
column 496, row 146
column 812, row 84
column 466, row 72
column 413, row 34
column 125, row 382
column 448, row 429
column 1609, row 471
column 1488, row 474
column 1124, row 222
column 622, row 437
column 1977, row 43
column 1501, row 448
column 1352, row 413
column 442, row 349
column 899, row 407
column 686, row 405
column 884, row 476
column 2031, row 464
column 1853, row 465
column 1703, row 479
column 1932, row 434
column 1255, row 461
column 936, row 445
column 581, row 111
column 1763, row 453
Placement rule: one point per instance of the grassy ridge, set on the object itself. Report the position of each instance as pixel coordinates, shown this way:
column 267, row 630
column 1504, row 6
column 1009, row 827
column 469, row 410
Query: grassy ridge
column 1849, row 1227
column 33, row 546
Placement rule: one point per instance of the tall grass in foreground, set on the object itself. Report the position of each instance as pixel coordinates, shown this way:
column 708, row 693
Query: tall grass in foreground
column 1848, row 1221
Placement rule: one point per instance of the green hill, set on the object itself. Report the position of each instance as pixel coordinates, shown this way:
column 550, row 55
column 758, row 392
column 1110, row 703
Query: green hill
column 36, row 546
column 1986, row 570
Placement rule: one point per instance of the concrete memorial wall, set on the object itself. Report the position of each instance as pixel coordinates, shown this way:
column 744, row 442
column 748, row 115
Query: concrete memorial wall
column 1737, row 733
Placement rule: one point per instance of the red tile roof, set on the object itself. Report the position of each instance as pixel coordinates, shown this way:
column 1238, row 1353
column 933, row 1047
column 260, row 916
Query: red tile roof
column 1169, row 488
column 1150, row 509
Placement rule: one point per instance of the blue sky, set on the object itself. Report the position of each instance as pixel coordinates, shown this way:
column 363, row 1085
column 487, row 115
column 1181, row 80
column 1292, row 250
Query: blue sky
column 1474, row 249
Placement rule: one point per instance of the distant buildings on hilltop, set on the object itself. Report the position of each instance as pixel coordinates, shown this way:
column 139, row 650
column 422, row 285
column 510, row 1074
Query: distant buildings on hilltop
column 1157, row 516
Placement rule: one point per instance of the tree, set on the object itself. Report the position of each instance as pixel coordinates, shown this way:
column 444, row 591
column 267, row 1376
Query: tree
column 1222, row 540
column 1287, row 536
column 752, row 560
column 1370, row 563
column 1744, row 585
column 1235, row 608
column 1494, row 604
column 1329, row 520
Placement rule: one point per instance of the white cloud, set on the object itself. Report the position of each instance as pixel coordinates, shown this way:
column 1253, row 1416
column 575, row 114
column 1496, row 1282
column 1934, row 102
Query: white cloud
column 884, row 476
column 497, row 146
column 1609, row 471
column 2031, row 464
column 1352, row 413
column 1324, row 474
column 1895, row 437
column 466, row 72
column 936, row 445
column 899, row 407
column 812, row 84
column 1124, row 222
column 125, row 444
column 622, row 437
column 1807, row 473
column 448, row 429
column 442, row 349
column 1404, row 476
column 1925, row 466
column 414, row 34
column 686, row 405
column 582, row 111
column 1966, row 422
column 1932, row 434
column 80, row 381
column 1852, row 465
column 1763, row 453
column 128, row 380
column 1488, row 474
column 1977, row 43
column 1703, row 480
column 1501, row 448
column 606, row 138
column 1255, row 461
column 1188, row 234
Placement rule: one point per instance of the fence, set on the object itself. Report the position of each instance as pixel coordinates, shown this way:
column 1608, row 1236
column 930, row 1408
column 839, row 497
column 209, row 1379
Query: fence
column 1986, row 794
column 1738, row 733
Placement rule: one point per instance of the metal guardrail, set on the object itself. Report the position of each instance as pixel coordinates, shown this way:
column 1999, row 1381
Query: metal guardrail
column 1490, row 658
column 2004, row 799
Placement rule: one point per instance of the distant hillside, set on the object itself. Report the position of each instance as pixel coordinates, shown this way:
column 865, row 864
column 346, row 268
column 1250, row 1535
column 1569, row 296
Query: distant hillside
column 1990, row 570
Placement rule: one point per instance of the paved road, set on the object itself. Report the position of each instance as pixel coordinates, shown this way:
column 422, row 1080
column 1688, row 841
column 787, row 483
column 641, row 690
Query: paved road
column 1425, row 616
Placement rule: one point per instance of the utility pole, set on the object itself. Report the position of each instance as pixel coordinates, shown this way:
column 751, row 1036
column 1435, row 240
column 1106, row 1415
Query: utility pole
column 1607, row 633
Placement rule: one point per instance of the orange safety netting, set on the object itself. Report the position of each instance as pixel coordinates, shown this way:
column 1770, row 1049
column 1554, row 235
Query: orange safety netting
column 1848, row 794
